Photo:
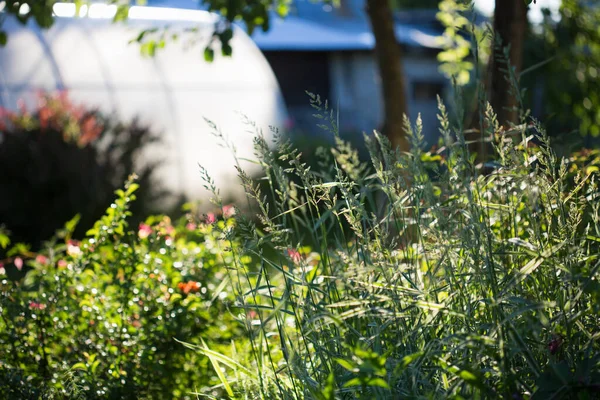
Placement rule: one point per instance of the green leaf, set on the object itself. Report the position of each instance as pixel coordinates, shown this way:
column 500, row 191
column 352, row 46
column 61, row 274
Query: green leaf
column 3, row 38
column 4, row 240
column 347, row 364
column 122, row 13
column 217, row 367
column 72, row 224
column 407, row 360
column 79, row 366
column 328, row 392
column 209, row 54
column 220, row 357
column 378, row 382
column 148, row 48
column 226, row 50
column 226, row 35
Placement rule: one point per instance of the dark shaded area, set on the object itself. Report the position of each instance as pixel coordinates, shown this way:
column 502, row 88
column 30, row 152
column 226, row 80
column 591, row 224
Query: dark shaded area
column 46, row 180
column 298, row 72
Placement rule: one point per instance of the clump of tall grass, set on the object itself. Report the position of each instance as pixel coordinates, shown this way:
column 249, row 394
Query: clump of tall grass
column 425, row 277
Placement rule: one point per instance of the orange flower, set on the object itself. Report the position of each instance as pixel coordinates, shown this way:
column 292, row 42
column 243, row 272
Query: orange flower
column 189, row 287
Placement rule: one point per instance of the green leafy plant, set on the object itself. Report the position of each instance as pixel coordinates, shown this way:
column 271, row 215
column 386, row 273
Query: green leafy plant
column 99, row 318
column 427, row 276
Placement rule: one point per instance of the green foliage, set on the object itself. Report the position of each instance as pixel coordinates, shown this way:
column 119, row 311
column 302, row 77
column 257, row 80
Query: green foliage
column 61, row 159
column 566, row 55
column 457, row 47
column 428, row 276
column 98, row 319
column 41, row 11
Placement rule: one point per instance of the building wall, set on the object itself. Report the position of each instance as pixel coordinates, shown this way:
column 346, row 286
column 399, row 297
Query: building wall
column 356, row 89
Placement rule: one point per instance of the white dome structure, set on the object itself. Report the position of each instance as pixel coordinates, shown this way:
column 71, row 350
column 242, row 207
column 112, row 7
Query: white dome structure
column 172, row 92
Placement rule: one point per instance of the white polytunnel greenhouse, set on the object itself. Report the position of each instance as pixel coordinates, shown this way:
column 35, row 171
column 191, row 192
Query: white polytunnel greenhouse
column 173, row 92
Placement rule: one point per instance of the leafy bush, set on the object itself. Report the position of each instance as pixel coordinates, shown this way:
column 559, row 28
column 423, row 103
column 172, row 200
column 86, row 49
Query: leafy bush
column 428, row 278
column 61, row 160
column 99, row 318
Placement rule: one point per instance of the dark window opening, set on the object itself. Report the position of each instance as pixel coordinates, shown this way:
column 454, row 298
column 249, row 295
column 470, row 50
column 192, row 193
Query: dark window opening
column 298, row 72
column 427, row 91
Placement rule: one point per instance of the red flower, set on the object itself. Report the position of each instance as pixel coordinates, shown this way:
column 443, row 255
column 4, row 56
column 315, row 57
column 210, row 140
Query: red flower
column 36, row 306
column 294, row 255
column 45, row 114
column 90, row 130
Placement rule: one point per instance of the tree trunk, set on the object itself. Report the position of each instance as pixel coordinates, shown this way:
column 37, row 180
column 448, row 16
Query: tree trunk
column 510, row 26
column 389, row 56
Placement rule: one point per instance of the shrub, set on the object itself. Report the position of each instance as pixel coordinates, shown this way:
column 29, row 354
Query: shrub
column 61, row 160
column 428, row 278
column 99, row 318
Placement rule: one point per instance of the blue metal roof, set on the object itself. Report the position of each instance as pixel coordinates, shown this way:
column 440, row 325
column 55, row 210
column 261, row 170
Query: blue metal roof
column 313, row 25
column 295, row 33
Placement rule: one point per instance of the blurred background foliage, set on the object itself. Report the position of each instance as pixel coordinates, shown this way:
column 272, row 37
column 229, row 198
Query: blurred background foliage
column 564, row 87
column 61, row 159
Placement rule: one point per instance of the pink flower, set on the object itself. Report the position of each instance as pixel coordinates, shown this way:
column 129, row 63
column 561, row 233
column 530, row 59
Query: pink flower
column 36, row 306
column 21, row 106
column 555, row 344
column 144, row 231
column 210, row 218
column 41, row 259
column 294, row 255
column 228, row 211
column 18, row 263
column 190, row 226
column 62, row 264
column 73, row 248
column 2, row 270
